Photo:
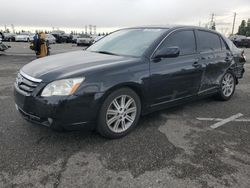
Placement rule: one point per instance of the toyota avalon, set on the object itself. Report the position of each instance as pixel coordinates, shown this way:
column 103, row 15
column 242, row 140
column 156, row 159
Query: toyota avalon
column 129, row 73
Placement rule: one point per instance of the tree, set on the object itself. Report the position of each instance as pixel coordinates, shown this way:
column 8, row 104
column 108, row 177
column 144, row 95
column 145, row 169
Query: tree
column 248, row 28
column 242, row 28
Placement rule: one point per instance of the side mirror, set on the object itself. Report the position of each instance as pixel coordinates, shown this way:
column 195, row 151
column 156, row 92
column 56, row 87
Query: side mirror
column 169, row 52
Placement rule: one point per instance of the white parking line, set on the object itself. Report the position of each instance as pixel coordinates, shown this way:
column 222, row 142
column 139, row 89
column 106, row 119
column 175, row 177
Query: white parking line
column 227, row 120
column 219, row 119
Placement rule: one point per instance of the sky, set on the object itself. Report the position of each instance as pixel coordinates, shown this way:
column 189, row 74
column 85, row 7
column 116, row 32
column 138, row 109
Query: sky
column 109, row 15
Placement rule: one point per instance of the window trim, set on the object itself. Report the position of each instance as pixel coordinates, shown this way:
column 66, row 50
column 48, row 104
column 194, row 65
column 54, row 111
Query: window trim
column 173, row 32
column 223, row 41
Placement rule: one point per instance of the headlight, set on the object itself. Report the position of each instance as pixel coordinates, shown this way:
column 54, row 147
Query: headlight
column 62, row 87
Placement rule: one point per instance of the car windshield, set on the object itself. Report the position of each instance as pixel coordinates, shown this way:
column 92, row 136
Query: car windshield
column 127, row 42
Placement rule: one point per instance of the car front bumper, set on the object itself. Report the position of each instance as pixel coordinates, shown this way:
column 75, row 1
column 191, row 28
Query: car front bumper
column 21, row 40
column 72, row 112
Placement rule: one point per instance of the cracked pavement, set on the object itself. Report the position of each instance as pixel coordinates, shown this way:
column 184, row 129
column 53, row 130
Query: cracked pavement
column 169, row 148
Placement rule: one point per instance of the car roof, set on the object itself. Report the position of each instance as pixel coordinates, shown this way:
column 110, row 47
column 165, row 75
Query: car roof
column 172, row 27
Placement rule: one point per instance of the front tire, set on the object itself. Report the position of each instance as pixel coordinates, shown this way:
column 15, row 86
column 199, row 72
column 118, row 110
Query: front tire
column 119, row 113
column 227, row 86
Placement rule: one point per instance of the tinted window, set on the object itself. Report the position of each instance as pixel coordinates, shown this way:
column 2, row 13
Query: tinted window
column 208, row 41
column 185, row 40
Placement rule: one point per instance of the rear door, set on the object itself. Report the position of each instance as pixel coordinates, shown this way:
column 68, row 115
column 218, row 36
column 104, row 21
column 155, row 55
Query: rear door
column 214, row 56
column 179, row 77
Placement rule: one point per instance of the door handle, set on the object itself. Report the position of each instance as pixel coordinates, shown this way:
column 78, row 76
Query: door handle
column 196, row 64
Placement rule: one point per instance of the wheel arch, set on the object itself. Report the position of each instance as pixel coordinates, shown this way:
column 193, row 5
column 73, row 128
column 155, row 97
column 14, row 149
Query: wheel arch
column 137, row 88
column 232, row 69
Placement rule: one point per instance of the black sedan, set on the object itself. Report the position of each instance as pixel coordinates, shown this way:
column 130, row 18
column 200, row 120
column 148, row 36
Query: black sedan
column 129, row 73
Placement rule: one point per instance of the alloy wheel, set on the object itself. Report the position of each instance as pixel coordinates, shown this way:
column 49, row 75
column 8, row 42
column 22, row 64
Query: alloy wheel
column 121, row 113
column 228, row 84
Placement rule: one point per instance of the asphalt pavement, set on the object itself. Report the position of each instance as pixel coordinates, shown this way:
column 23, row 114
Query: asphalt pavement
column 178, row 147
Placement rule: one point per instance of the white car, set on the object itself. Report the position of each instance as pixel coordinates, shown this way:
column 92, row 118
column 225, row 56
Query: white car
column 50, row 38
column 24, row 37
column 84, row 40
column 74, row 38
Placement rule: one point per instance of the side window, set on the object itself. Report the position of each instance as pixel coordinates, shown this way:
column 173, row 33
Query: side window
column 208, row 41
column 185, row 40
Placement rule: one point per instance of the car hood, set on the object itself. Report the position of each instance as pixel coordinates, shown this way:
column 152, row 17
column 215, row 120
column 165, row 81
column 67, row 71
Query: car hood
column 71, row 64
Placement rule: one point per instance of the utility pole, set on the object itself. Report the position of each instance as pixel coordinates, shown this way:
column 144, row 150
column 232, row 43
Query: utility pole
column 233, row 23
column 212, row 20
column 94, row 28
column 90, row 29
column 13, row 28
column 86, row 29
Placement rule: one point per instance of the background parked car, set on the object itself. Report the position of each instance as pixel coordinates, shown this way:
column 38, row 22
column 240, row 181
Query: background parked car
column 51, row 39
column 84, row 40
column 24, row 37
column 67, row 38
column 3, row 47
column 245, row 42
column 9, row 37
column 58, row 35
column 240, row 40
column 62, row 37
column 74, row 38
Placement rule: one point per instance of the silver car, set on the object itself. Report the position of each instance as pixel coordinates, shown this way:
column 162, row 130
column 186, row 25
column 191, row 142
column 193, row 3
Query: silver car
column 51, row 39
column 24, row 37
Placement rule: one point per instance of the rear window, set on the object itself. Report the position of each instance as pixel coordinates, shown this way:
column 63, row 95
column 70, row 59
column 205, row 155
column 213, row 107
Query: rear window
column 231, row 46
column 208, row 41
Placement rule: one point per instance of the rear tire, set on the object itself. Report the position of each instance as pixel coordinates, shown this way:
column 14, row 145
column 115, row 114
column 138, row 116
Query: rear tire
column 227, row 86
column 119, row 113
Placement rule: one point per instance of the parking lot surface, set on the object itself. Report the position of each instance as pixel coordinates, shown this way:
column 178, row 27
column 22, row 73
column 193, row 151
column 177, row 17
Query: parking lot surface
column 200, row 144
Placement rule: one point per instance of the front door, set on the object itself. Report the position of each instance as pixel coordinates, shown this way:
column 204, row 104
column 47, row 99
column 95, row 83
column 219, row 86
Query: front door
column 178, row 77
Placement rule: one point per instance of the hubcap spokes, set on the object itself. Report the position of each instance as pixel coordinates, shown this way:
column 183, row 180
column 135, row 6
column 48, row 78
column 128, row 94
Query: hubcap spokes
column 228, row 85
column 121, row 113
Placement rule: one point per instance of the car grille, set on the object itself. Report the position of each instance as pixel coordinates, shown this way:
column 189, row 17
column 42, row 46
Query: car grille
column 26, row 84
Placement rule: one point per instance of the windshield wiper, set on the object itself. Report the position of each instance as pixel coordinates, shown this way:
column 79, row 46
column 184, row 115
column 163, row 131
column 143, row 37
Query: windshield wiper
column 105, row 52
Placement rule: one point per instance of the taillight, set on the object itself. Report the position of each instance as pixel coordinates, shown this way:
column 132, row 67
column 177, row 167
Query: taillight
column 243, row 54
column 243, row 57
